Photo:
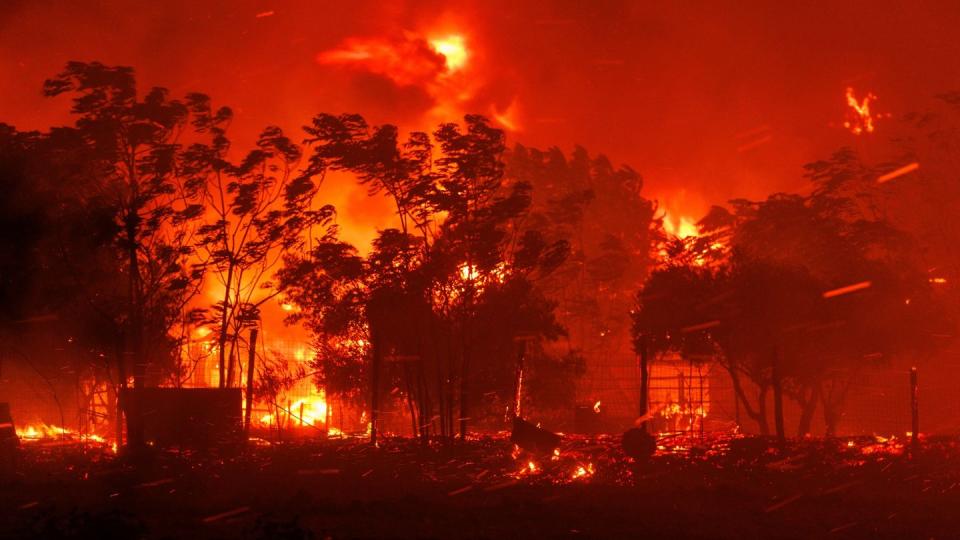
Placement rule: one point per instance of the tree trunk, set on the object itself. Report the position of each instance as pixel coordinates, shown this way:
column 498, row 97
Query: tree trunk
column 251, row 361
column 762, row 418
column 135, row 320
column 830, row 419
column 374, row 385
column 465, row 388
column 222, row 338
column 758, row 415
column 808, row 408
column 778, row 396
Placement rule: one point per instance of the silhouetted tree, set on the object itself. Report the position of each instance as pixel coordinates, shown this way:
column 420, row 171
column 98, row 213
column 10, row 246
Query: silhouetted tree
column 256, row 211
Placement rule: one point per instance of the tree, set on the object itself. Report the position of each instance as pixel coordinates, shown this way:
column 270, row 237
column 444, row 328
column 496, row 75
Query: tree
column 132, row 145
column 419, row 298
column 768, row 292
column 600, row 212
column 256, row 211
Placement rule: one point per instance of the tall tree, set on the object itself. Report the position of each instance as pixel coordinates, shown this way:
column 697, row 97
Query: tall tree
column 132, row 145
column 256, row 211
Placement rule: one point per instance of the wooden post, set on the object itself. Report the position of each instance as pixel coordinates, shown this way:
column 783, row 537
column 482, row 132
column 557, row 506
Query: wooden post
column 522, row 340
column 374, row 386
column 914, row 409
column 644, row 380
column 518, row 384
column 251, row 361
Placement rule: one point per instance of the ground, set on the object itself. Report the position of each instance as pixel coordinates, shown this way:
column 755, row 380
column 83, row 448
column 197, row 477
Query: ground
column 718, row 487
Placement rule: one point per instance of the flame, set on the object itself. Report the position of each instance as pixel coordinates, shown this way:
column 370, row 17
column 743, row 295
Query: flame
column 40, row 432
column 305, row 412
column 682, row 227
column 596, row 407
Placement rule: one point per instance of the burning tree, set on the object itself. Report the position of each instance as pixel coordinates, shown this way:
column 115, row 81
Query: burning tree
column 256, row 211
column 421, row 299
column 809, row 293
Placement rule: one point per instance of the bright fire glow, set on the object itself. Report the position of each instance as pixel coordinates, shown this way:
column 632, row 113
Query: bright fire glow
column 453, row 48
column 596, row 407
column 39, row 432
column 682, row 227
column 583, row 471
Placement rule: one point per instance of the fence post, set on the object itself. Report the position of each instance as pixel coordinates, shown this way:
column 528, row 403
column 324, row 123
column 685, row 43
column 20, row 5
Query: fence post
column 914, row 409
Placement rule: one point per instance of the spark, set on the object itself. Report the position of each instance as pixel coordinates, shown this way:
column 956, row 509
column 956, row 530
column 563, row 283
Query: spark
column 899, row 172
column 265, row 14
column 847, row 290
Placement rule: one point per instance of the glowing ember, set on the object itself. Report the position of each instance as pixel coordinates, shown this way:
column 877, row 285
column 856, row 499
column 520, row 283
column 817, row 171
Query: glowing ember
column 583, row 471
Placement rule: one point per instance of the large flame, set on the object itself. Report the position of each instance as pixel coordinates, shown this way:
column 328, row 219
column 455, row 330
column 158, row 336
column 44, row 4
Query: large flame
column 453, row 48
column 680, row 226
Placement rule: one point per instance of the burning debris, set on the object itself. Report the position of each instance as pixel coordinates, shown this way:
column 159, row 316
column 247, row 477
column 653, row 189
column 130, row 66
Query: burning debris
column 860, row 119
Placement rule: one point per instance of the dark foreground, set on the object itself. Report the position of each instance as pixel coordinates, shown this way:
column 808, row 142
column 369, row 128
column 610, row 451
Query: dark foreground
column 725, row 488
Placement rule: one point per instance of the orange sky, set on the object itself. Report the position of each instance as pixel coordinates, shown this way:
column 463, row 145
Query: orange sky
column 708, row 100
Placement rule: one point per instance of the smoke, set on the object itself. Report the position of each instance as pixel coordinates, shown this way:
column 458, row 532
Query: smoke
column 667, row 88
